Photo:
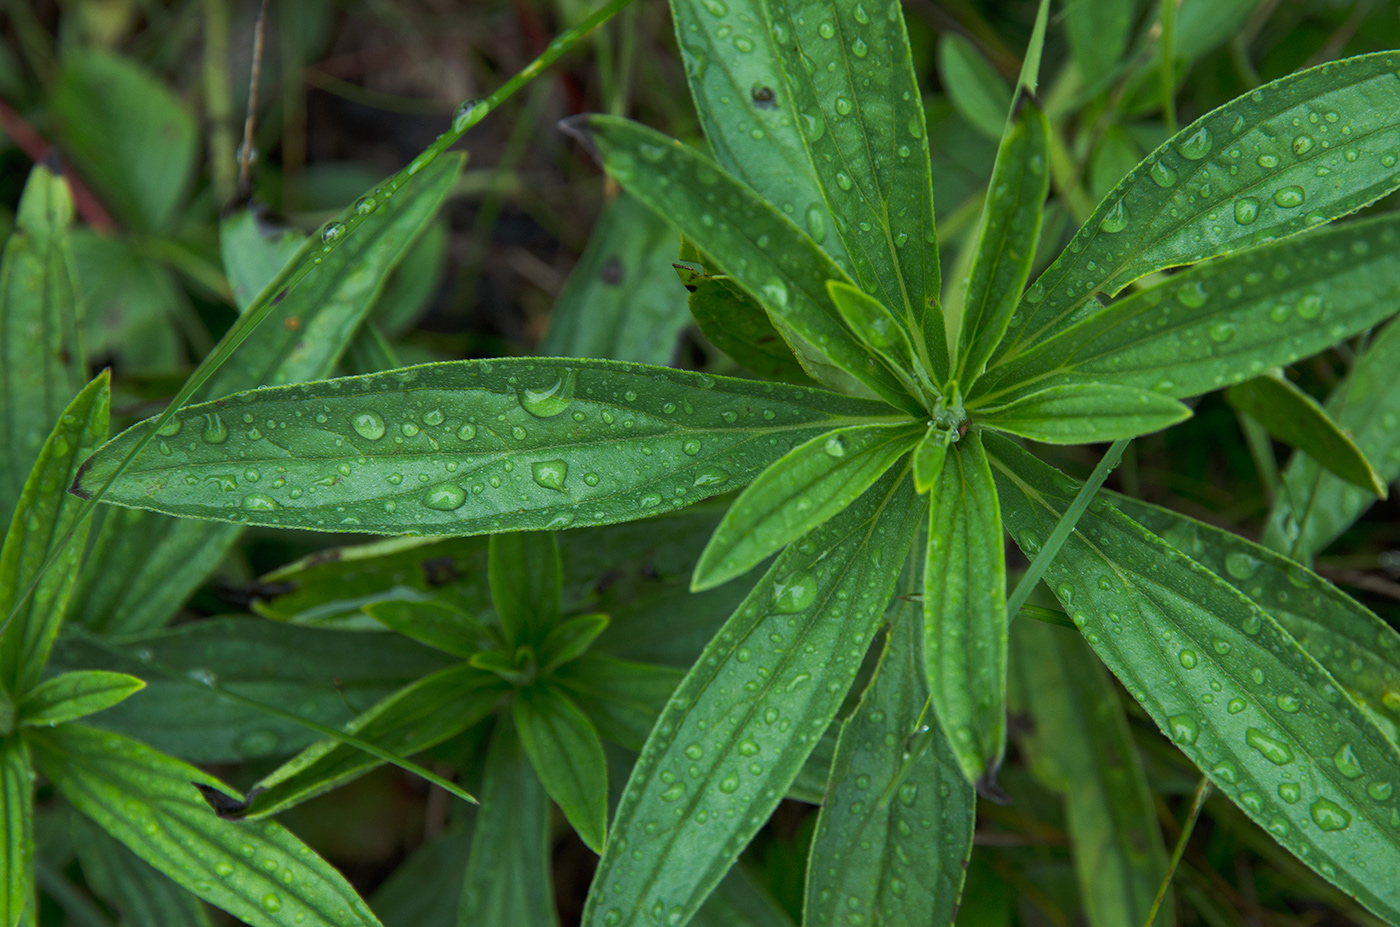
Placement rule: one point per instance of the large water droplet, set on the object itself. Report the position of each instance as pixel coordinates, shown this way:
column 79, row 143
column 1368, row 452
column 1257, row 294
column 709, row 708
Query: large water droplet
column 1246, row 210
column 1380, row 791
column 793, row 594
column 368, row 425
column 257, row 502
column 1290, row 792
column 550, row 473
column 445, row 497
column 1346, row 762
column 1117, row 218
column 467, row 114
column 710, row 476
column 1197, row 145
column 1221, row 332
column 1187, row 658
column 170, row 428
column 816, row 222
column 673, row 792
column 1302, row 144
column 1329, row 815
column 553, row 399
column 1241, row 565
column 366, row 205
column 1162, row 175
column 1275, row 751
column 826, row 30
column 1290, row 197
column 466, row 432
column 215, row 432
column 1184, row 729
column 271, row 903
column 1309, row 306
column 332, row 232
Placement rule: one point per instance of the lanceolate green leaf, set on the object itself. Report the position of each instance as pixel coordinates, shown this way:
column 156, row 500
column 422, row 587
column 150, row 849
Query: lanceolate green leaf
column 143, row 567
column 799, row 492
column 416, row 717
column 1236, row 693
column 126, row 882
column 1355, row 645
column 1225, row 321
column 259, row 873
column 508, row 876
column 524, row 569
column 977, row 91
column 470, row 447
column 1006, row 246
column 1079, row 744
column 964, row 617
column 621, row 301
column 1085, row 413
column 862, row 117
column 621, row 697
column 1318, row 506
column 892, row 843
column 75, row 695
column 745, row 718
column 43, row 516
column 1301, row 150
column 41, row 363
column 1098, row 33
column 759, row 247
column 567, row 755
column 880, row 331
column 430, row 622
column 739, row 327
column 747, row 111
column 17, row 848
column 1296, row 419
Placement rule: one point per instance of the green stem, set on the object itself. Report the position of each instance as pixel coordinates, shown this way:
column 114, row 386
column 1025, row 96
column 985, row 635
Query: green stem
column 1197, row 803
column 1057, row 538
column 295, row 270
column 218, row 102
column 1167, row 20
column 349, row 740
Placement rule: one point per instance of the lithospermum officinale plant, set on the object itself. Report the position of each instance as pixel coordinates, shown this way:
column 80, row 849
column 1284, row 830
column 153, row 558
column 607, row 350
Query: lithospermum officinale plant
column 812, row 219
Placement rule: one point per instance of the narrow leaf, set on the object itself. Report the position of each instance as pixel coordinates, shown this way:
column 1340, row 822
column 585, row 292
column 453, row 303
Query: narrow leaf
column 128, row 884
column 739, row 327
column 1225, row 321
column 1098, row 32
column 621, row 301
column 1086, row 413
column 964, row 617
column 41, row 363
column 861, row 115
column 1318, row 506
column 570, row 639
column 1007, row 242
column 649, row 440
column 798, row 493
column 747, row 111
column 891, row 843
column 880, row 332
column 1296, row 419
column 524, row 569
column 1079, row 744
column 978, row 92
column 1280, row 738
column 564, row 748
column 1355, row 645
column 416, row 717
column 623, row 698
column 750, row 711
column 43, row 516
column 760, row 248
column 508, row 876
column 75, row 695
column 436, row 624
column 1303, row 149
column 929, row 457
column 259, row 873
column 17, row 850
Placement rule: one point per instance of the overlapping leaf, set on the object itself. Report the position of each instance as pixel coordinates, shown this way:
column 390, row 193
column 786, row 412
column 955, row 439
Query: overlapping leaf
column 75, row 695
column 469, row 447
column 126, row 882
column 1273, row 729
column 750, row 711
column 564, row 749
column 1303, row 149
column 17, row 848
column 1085, row 413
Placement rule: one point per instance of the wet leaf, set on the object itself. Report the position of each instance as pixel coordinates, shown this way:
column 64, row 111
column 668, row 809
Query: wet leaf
column 127, row 883
column 17, row 850
column 739, row 327
column 68, row 696
column 1085, row 413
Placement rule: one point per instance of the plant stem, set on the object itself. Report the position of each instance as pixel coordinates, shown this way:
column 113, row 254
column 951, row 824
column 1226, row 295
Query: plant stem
column 1198, row 801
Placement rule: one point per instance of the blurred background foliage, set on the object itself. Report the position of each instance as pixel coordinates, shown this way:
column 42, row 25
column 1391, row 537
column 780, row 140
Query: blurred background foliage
column 144, row 101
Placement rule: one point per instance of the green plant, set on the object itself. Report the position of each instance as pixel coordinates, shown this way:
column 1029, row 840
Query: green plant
column 870, row 668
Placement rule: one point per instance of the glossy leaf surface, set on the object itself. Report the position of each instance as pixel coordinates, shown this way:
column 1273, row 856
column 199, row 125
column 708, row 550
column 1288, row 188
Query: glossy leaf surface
column 739, row 327
column 1356, row 646
column 798, row 493
column 1079, row 744
column 1303, row 149
column 127, row 883
column 758, row 246
column 895, row 830
column 750, row 711
column 416, row 717
column 524, row 570
column 1318, row 507
column 1006, row 246
column 878, row 329
column 17, row 850
column 41, row 364
column 623, row 698
column 1226, row 321
column 1280, row 738
column 1296, row 419
column 564, row 749
column 508, row 879
column 747, row 111
column 146, row 801
column 430, row 622
column 862, row 118
column 1085, row 413
column 43, row 516
column 470, row 447
column 76, row 695
column 964, row 615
